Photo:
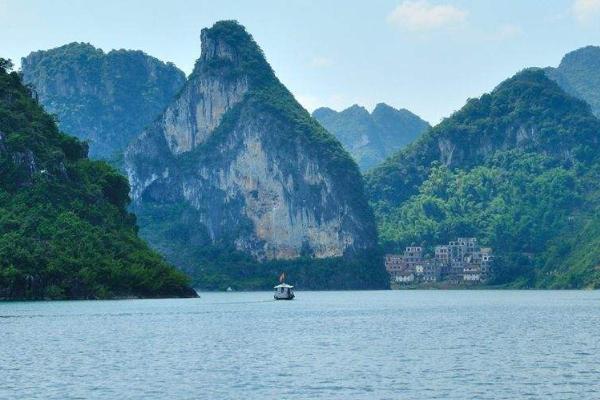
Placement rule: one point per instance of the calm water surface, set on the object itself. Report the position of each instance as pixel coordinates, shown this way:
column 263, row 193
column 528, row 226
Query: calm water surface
column 323, row 345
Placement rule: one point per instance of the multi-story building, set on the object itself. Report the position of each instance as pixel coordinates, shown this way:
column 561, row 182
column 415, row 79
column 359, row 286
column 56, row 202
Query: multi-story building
column 394, row 264
column 432, row 271
column 442, row 254
column 455, row 271
column 407, row 267
column 471, row 272
column 463, row 247
column 486, row 263
column 413, row 256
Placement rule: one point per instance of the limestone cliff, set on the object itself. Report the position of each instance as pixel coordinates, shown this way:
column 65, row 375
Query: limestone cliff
column 103, row 98
column 235, row 160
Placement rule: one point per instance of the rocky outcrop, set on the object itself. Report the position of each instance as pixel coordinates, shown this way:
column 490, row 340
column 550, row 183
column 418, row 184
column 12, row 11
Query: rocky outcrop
column 189, row 121
column 235, row 159
column 103, row 98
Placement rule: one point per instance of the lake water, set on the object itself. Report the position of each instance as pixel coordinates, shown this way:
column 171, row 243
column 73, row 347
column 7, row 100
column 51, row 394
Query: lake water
column 323, row 345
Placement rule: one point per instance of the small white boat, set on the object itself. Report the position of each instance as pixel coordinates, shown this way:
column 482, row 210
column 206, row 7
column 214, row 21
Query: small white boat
column 284, row 292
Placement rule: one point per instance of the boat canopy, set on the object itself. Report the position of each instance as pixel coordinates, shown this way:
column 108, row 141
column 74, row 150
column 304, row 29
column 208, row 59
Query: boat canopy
column 283, row 285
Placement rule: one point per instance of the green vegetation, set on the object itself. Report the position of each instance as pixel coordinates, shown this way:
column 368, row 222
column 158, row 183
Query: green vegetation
column 221, row 266
column 527, row 111
column 572, row 260
column 371, row 137
column 517, row 168
column 64, row 229
column 104, row 98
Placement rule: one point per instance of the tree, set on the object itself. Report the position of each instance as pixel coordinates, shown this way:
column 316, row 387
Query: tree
column 6, row 64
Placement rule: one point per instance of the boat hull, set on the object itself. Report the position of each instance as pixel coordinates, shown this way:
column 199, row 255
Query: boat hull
column 284, row 298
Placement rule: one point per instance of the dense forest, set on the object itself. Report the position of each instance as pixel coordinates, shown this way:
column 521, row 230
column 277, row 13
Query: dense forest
column 65, row 232
column 517, row 168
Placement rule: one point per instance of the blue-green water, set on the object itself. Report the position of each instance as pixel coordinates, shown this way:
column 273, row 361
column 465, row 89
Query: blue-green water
column 330, row 345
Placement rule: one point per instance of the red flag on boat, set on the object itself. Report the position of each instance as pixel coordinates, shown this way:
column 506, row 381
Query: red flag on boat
column 282, row 277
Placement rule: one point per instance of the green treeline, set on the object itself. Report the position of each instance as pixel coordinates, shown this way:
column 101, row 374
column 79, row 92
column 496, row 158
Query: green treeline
column 64, row 229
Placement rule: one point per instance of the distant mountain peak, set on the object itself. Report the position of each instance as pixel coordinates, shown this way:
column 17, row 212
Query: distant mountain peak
column 516, row 115
column 227, row 32
column 579, row 75
column 103, row 98
column 325, row 110
column 384, row 106
column 356, row 107
column 587, row 52
column 371, row 137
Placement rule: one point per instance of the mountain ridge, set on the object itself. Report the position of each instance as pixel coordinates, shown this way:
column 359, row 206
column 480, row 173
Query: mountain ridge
column 371, row 136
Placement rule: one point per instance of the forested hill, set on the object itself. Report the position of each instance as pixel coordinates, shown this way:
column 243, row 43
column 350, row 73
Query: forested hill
column 104, row 98
column 527, row 112
column 517, row 168
column 64, row 229
column 371, row 137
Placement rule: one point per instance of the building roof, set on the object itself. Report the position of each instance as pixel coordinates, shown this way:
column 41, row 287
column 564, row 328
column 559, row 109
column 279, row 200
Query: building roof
column 283, row 285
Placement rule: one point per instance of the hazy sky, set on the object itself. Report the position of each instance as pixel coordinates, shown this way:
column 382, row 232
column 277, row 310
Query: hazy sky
column 426, row 55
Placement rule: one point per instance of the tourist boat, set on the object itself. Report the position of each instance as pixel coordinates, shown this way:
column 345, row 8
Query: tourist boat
column 283, row 291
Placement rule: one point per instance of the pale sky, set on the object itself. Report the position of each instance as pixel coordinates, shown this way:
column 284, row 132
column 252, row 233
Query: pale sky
column 427, row 56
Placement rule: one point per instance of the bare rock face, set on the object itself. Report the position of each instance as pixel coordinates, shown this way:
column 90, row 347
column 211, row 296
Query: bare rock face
column 198, row 110
column 235, row 159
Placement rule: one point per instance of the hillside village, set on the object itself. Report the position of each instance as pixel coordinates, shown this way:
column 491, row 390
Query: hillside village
column 459, row 262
